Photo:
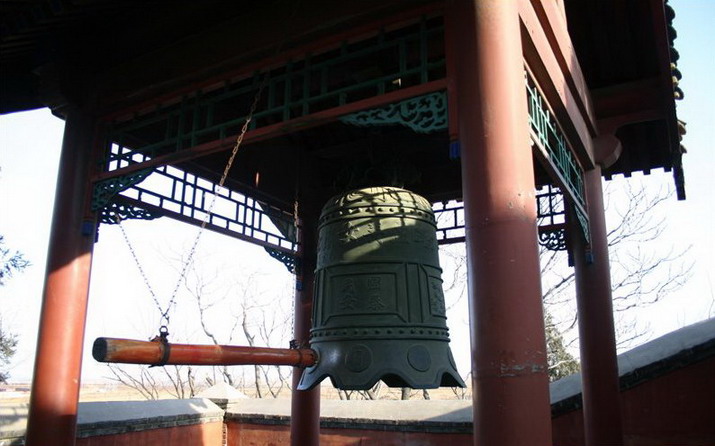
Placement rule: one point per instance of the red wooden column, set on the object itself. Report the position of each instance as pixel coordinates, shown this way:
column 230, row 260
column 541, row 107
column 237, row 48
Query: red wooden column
column 305, row 404
column 55, row 385
column 599, row 365
column 511, row 393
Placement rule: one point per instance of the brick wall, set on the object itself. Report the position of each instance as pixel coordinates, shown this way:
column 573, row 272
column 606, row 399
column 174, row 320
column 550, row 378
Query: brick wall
column 677, row 408
column 205, row 434
column 191, row 422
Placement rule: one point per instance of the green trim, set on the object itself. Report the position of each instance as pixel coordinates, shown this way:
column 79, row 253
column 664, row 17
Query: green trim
column 547, row 133
column 385, row 62
column 112, row 211
column 105, row 191
column 286, row 259
column 423, row 114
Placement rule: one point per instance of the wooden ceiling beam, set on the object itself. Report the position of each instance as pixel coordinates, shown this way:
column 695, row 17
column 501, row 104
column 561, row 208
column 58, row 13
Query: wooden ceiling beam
column 550, row 56
column 628, row 103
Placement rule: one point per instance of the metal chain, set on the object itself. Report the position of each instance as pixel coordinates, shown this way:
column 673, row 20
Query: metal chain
column 296, row 265
column 136, row 259
column 182, row 275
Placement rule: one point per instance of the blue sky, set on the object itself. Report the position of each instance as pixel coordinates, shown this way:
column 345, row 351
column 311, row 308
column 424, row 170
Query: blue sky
column 29, row 151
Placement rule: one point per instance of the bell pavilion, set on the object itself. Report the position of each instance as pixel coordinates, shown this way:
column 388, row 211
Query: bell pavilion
column 492, row 110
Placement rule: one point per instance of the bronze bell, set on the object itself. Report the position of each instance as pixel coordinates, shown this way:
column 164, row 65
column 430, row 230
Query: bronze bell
column 379, row 311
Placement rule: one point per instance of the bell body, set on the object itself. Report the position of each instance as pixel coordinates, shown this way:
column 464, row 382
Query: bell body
column 379, row 311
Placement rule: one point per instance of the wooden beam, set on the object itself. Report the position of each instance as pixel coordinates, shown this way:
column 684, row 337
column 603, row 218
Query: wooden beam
column 552, row 60
column 628, row 103
column 280, row 128
column 553, row 21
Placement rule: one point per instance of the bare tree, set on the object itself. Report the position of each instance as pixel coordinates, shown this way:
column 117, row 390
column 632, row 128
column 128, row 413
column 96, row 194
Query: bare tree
column 140, row 379
column 226, row 311
column 182, row 385
column 643, row 272
column 256, row 322
column 263, row 322
column 373, row 393
column 463, row 393
column 175, row 381
column 406, row 393
column 199, row 289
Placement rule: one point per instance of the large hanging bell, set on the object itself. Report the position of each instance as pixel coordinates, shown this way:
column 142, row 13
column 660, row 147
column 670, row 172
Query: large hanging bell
column 379, row 311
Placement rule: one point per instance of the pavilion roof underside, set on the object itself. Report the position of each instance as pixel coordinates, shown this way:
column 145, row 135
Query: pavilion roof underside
column 135, row 53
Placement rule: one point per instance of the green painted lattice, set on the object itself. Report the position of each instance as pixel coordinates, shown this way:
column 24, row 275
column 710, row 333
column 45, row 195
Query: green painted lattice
column 353, row 71
column 547, row 134
column 168, row 191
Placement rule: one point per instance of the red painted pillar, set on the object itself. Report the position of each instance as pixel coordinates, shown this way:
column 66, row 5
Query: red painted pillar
column 305, row 404
column 599, row 366
column 511, row 393
column 55, row 385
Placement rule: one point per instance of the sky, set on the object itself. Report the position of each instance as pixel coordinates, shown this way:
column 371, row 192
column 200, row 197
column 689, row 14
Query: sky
column 120, row 306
